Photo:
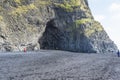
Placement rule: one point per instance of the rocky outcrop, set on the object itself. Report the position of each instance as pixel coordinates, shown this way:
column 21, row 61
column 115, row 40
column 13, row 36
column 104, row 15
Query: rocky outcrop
column 53, row 24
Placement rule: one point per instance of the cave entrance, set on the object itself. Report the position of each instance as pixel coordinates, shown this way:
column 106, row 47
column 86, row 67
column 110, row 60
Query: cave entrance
column 51, row 37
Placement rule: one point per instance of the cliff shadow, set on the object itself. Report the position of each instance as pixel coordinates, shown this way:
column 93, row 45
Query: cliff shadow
column 51, row 36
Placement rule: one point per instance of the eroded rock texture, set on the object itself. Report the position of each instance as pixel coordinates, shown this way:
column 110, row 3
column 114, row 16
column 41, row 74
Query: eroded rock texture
column 51, row 24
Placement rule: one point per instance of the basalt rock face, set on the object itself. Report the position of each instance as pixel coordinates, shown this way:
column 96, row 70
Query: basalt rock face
column 51, row 24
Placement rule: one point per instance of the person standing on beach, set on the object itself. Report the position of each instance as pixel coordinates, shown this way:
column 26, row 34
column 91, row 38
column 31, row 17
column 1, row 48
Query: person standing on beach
column 118, row 53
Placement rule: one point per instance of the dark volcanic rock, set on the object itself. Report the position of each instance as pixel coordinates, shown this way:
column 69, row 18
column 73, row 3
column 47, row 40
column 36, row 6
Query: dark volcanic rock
column 54, row 24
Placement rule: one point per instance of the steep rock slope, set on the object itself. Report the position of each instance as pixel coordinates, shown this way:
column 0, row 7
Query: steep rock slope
column 51, row 24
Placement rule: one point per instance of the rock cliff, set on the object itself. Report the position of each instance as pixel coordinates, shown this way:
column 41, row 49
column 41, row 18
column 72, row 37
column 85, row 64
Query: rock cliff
column 51, row 24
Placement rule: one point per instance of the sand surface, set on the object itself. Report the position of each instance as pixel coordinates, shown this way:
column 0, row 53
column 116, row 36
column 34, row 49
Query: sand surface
column 58, row 65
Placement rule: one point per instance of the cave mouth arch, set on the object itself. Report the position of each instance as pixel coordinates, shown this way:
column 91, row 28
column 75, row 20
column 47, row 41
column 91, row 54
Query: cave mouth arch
column 51, row 36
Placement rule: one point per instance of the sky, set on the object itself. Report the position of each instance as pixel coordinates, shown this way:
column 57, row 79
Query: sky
column 107, row 12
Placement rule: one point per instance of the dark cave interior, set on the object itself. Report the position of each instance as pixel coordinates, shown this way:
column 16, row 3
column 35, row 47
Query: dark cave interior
column 51, row 37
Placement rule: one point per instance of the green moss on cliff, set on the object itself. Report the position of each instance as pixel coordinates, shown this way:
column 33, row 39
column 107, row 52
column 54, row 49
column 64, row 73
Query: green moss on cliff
column 95, row 27
column 91, row 28
column 69, row 5
column 83, row 21
column 23, row 9
column 42, row 2
column 18, row 1
column 1, row 18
